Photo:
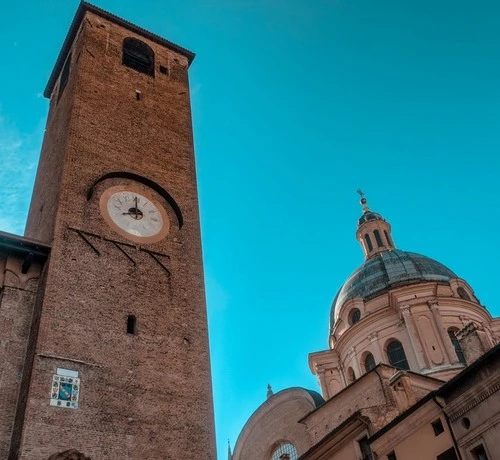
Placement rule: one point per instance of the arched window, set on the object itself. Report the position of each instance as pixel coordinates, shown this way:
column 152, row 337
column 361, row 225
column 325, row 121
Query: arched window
column 456, row 344
column 138, row 56
column 462, row 293
column 354, row 316
column 397, row 356
column 368, row 243
column 369, row 362
column 378, row 239
column 388, row 238
column 285, row 451
column 351, row 376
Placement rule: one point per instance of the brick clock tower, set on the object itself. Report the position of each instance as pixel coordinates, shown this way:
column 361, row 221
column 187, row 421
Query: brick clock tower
column 116, row 359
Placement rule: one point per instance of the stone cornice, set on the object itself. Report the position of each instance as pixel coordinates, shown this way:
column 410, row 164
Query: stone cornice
column 470, row 399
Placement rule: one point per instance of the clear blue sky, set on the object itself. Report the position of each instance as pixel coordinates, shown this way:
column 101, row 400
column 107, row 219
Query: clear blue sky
column 296, row 104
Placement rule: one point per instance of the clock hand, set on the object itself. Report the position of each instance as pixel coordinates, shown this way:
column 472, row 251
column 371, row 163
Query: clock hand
column 136, row 209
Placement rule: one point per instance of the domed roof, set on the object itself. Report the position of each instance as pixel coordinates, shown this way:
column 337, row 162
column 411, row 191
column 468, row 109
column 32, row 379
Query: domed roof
column 386, row 270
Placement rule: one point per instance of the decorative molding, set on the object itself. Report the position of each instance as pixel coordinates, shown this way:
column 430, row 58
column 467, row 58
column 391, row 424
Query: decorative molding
column 405, row 309
column 474, row 402
column 433, row 303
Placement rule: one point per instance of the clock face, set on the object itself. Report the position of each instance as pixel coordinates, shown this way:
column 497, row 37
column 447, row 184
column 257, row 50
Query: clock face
column 134, row 214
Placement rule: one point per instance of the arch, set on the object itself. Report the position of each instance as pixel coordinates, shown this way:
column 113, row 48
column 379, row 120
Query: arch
column 396, row 355
column 138, row 55
column 368, row 242
column 70, row 454
column 285, row 451
column 462, row 293
column 369, row 362
column 388, row 238
column 354, row 316
column 143, row 180
column 351, row 376
column 456, row 344
column 378, row 238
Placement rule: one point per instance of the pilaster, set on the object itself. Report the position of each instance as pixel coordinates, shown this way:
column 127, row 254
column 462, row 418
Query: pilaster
column 443, row 333
column 413, row 335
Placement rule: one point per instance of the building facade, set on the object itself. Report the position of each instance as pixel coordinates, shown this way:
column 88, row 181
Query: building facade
column 412, row 371
column 103, row 321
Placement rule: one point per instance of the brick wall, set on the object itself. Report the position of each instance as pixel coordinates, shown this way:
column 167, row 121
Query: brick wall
column 146, row 395
column 17, row 299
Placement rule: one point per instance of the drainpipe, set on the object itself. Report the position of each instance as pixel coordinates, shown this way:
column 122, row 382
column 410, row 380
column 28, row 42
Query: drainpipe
column 455, row 444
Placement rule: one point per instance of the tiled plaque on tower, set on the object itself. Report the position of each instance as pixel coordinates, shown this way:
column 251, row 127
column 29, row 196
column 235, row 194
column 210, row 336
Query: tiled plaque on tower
column 65, row 391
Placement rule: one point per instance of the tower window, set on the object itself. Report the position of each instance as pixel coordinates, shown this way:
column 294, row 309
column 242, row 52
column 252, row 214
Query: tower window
column 378, row 239
column 163, row 70
column 131, row 324
column 139, row 56
column 388, row 238
column 368, row 243
column 369, row 362
column 456, row 345
column 397, row 356
column 354, row 316
column 462, row 293
column 64, row 76
column 391, row 456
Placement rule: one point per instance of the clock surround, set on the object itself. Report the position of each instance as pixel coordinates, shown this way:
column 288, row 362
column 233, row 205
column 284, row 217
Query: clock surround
column 134, row 213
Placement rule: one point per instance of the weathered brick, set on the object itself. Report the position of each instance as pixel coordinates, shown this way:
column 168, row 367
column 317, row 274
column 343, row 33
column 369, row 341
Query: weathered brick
column 143, row 396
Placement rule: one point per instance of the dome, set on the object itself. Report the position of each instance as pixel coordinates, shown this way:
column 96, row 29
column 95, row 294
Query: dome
column 386, row 270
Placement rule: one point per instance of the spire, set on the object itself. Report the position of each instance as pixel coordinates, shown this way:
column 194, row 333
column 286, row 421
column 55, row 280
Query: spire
column 229, row 453
column 363, row 200
column 374, row 232
column 269, row 391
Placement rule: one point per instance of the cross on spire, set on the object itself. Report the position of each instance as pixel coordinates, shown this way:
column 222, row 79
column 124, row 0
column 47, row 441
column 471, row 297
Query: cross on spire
column 363, row 200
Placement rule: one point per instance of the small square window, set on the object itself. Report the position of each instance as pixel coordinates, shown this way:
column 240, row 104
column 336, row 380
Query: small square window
column 163, row 70
column 437, row 426
column 479, row 453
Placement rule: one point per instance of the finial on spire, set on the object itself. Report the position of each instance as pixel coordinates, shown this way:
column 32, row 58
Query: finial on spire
column 229, row 453
column 269, row 391
column 362, row 200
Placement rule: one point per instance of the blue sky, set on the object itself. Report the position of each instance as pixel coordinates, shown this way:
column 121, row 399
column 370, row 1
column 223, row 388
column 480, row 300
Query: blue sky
column 296, row 104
